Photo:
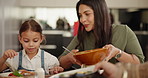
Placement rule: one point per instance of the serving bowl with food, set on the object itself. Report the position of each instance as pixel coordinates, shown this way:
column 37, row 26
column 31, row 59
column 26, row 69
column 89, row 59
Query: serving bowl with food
column 91, row 57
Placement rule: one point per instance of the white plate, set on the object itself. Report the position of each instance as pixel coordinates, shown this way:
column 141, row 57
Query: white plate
column 5, row 74
column 90, row 68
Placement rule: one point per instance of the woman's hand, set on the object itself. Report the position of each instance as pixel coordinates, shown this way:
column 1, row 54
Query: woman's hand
column 112, row 51
column 55, row 70
column 71, row 58
column 9, row 54
column 124, row 57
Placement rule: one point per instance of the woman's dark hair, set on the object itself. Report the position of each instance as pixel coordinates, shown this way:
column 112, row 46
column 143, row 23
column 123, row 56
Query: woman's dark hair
column 30, row 25
column 102, row 23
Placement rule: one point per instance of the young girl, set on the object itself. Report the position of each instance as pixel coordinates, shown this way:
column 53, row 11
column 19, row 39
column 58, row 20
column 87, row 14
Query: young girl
column 31, row 57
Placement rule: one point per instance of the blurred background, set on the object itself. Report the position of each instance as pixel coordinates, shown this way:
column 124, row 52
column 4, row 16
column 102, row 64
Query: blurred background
column 59, row 21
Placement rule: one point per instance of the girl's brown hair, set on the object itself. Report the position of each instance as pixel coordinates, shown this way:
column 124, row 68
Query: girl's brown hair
column 30, row 25
column 33, row 26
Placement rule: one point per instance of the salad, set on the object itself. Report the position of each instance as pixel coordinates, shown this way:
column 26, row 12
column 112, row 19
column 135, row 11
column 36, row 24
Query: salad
column 21, row 73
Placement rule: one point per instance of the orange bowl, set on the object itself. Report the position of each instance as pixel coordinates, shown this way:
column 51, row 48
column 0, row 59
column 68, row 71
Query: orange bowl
column 91, row 57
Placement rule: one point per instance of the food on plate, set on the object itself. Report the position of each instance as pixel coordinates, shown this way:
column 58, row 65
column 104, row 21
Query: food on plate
column 74, row 75
column 15, row 74
column 82, row 74
column 91, row 57
column 21, row 73
column 25, row 72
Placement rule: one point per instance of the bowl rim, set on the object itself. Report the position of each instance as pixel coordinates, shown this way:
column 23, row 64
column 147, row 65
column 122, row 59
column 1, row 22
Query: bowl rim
column 89, row 51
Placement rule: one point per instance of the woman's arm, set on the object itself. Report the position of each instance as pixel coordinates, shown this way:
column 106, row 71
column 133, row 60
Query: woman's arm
column 121, row 55
column 65, row 62
column 125, row 39
column 133, row 46
column 66, row 59
column 128, row 58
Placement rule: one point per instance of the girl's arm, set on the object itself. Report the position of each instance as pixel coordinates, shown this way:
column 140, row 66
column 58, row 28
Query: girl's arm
column 3, row 66
column 7, row 54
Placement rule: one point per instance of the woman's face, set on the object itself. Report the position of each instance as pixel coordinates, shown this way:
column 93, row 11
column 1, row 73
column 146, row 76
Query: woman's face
column 86, row 17
column 30, row 41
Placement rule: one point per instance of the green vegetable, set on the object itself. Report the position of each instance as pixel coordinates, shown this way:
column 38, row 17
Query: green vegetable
column 16, row 73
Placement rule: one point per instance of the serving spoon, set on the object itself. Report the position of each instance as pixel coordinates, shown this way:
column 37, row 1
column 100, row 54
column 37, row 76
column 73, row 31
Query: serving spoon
column 68, row 50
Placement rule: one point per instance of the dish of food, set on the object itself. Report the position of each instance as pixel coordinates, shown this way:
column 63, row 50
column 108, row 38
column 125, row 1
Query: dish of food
column 5, row 74
column 91, row 57
column 78, row 73
column 18, row 74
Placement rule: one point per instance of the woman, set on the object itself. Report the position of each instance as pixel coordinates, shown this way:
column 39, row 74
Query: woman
column 96, row 31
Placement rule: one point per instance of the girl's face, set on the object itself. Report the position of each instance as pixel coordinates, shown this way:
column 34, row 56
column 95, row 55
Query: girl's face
column 86, row 17
column 30, row 41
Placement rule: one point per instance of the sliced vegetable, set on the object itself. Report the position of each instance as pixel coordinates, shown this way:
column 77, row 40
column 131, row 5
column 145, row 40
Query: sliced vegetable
column 11, row 74
column 16, row 73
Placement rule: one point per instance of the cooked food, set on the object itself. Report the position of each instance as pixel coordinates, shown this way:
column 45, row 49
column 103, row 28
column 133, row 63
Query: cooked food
column 86, row 74
column 21, row 73
column 90, row 51
column 75, row 75
column 25, row 72
column 15, row 74
column 91, row 57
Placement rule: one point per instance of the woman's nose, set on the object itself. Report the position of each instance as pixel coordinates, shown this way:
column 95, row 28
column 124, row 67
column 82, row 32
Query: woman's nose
column 83, row 19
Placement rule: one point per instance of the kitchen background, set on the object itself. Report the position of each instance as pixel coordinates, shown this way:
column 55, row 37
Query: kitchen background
column 52, row 14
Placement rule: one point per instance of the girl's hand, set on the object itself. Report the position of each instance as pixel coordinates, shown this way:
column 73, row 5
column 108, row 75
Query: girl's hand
column 55, row 70
column 9, row 54
column 71, row 58
column 112, row 51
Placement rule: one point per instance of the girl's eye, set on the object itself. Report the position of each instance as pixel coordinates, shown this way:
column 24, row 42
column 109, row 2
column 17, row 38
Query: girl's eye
column 36, row 40
column 26, row 41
